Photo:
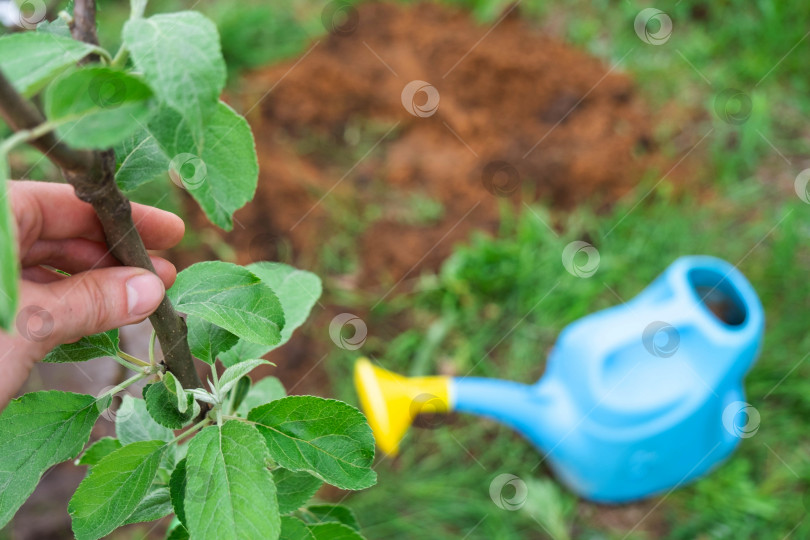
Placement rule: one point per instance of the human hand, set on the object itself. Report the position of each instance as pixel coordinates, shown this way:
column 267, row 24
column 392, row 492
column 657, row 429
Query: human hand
column 55, row 228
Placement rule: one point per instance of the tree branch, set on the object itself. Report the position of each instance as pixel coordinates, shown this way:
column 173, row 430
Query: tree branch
column 92, row 175
column 83, row 27
column 20, row 114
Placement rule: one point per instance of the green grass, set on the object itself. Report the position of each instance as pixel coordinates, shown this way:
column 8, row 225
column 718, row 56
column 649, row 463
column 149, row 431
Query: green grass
column 488, row 313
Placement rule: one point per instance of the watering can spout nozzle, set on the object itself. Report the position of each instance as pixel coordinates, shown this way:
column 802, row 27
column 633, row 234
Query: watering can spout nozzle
column 391, row 401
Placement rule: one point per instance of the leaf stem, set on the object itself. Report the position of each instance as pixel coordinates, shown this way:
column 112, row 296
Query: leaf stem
column 217, row 393
column 104, row 55
column 232, row 399
column 129, row 382
column 26, row 135
column 196, row 427
column 215, row 375
column 126, row 364
column 239, row 418
column 133, row 359
column 152, row 347
column 121, row 57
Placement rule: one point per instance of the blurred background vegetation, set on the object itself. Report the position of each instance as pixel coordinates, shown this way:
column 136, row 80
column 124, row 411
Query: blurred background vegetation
column 438, row 487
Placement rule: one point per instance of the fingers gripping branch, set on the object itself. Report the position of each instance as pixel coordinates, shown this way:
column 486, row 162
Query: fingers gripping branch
column 115, row 213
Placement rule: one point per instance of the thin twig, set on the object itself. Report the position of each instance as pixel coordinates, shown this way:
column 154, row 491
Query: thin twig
column 129, row 382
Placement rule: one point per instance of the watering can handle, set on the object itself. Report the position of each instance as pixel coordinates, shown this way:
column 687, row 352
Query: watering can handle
column 697, row 291
column 664, row 319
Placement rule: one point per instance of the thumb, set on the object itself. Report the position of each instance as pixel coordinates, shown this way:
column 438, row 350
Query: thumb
column 87, row 303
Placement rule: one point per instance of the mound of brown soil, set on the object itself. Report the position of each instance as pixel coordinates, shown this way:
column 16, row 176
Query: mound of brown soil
column 520, row 115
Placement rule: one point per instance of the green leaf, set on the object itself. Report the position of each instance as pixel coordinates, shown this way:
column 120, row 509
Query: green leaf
column 177, row 489
column 325, row 437
column 114, row 488
column 231, row 376
column 294, row 529
column 161, row 403
column 140, row 160
column 230, row 297
column 220, row 174
column 180, row 56
column 97, row 107
column 133, row 423
column 9, row 266
column 98, row 450
column 240, row 392
column 58, row 27
column 208, row 340
column 180, row 450
column 262, row 392
column 230, row 494
column 37, row 431
column 203, row 395
column 178, row 533
column 31, row 59
column 245, row 350
column 297, row 290
column 334, row 531
column 176, row 388
column 87, row 348
column 155, row 505
column 328, row 513
column 294, row 489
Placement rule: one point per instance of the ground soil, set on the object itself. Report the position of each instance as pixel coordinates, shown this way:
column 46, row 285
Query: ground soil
column 573, row 129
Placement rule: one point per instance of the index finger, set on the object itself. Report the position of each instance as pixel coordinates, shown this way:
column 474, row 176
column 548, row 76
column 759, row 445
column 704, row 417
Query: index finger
column 48, row 211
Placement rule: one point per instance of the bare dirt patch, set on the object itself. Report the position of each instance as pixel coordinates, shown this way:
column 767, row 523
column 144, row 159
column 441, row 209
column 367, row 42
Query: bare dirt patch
column 550, row 121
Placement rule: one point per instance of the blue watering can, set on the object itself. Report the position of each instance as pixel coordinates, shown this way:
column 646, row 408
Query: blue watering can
column 637, row 399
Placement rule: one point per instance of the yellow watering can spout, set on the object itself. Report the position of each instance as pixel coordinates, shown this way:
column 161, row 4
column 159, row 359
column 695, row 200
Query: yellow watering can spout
column 391, row 401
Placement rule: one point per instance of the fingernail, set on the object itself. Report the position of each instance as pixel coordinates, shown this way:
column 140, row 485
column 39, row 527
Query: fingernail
column 144, row 293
